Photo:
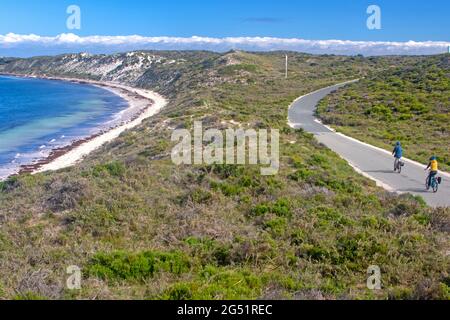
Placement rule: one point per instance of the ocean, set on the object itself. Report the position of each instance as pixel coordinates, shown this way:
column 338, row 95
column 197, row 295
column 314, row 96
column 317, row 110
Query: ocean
column 38, row 115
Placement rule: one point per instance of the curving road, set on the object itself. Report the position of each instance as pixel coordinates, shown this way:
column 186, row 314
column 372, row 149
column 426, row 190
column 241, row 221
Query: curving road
column 372, row 162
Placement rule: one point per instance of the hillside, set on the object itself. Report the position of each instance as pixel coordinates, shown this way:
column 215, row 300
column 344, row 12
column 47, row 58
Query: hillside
column 408, row 103
column 141, row 227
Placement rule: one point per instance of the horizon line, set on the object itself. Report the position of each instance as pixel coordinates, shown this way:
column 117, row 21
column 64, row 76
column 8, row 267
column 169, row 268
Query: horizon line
column 108, row 44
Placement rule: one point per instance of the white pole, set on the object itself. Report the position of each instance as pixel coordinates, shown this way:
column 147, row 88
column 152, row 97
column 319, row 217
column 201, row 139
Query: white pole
column 286, row 66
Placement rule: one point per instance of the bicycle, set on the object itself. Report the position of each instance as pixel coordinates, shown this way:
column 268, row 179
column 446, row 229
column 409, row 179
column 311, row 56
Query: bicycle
column 398, row 165
column 433, row 184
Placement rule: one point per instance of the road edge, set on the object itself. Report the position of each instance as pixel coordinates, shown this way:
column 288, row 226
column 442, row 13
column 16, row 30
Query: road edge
column 378, row 182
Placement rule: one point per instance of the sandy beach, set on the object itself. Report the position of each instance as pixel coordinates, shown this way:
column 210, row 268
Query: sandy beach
column 142, row 104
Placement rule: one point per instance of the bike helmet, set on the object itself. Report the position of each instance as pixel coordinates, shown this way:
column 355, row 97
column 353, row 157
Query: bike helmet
column 398, row 143
column 433, row 158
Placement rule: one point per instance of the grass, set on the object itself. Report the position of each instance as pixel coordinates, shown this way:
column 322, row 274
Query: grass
column 136, row 266
column 407, row 103
column 140, row 227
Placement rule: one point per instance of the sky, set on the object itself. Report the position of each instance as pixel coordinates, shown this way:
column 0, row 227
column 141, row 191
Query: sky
column 107, row 26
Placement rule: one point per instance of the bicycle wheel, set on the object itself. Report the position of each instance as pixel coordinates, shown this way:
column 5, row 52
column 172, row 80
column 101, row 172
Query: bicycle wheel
column 435, row 186
column 427, row 185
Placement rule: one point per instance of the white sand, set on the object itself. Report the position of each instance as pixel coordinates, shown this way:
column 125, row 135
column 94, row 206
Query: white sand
column 138, row 99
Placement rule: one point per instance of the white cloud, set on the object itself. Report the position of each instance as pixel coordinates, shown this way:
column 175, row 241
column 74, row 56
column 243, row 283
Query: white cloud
column 32, row 44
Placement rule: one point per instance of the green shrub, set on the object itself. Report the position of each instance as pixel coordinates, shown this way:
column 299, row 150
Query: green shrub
column 281, row 208
column 405, row 116
column 338, row 185
column 298, row 237
column 400, row 293
column 277, row 226
column 222, row 255
column 353, row 249
column 202, row 243
column 375, row 222
column 225, row 171
column 227, row 189
column 121, row 265
column 9, row 184
column 445, row 289
column 249, row 182
column 301, row 175
column 380, row 110
column 260, row 209
column 319, row 160
column 179, row 291
column 330, row 216
column 314, row 252
column 29, row 296
column 200, row 195
column 114, row 168
column 217, row 284
column 422, row 218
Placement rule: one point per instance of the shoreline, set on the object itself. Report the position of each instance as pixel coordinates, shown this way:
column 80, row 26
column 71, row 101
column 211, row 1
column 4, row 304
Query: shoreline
column 142, row 104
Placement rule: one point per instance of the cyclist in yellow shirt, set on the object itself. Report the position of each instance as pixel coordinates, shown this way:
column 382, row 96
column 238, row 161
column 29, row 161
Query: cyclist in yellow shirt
column 433, row 166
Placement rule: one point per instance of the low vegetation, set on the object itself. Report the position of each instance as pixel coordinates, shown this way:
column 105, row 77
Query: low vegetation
column 409, row 102
column 140, row 227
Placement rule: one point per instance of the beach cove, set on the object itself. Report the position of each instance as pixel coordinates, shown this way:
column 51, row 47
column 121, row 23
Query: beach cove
column 111, row 109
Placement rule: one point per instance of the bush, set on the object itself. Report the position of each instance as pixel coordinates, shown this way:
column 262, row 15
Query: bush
column 227, row 189
column 179, row 291
column 277, row 226
column 380, row 111
column 319, row 160
column 139, row 266
column 29, row 296
column 200, row 195
column 217, row 284
column 314, row 252
column 211, row 251
column 9, row 184
column 301, row 175
column 225, row 171
column 115, row 168
column 281, row 208
column 65, row 195
column 331, row 216
column 298, row 237
column 422, row 219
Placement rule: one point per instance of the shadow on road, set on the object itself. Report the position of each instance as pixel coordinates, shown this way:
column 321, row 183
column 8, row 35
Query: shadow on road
column 381, row 171
column 416, row 190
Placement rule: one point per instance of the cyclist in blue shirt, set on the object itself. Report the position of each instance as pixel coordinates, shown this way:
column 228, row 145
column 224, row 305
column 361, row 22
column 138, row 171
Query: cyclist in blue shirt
column 398, row 154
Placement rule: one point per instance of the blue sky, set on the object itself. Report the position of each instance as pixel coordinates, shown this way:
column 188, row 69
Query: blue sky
column 402, row 20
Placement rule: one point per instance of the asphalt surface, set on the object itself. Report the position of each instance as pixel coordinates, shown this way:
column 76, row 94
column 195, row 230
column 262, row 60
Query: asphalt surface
column 370, row 161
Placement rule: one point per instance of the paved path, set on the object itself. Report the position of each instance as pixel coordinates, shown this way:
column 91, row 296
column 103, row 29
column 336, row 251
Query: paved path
column 372, row 162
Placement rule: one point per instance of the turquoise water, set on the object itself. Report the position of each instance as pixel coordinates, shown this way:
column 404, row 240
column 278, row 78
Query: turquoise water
column 39, row 115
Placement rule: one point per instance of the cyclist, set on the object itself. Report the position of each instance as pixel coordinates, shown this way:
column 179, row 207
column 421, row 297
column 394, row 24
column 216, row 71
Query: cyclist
column 433, row 166
column 398, row 154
